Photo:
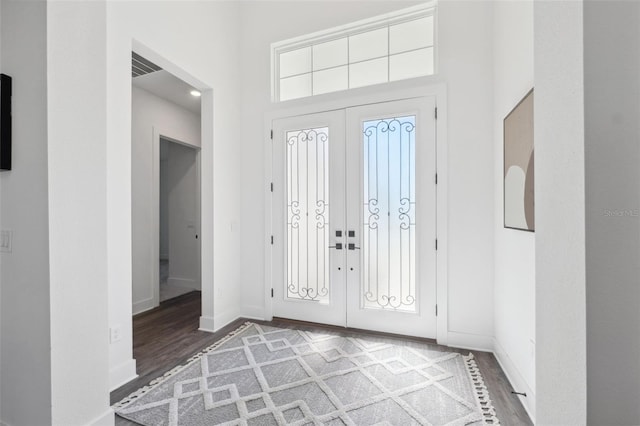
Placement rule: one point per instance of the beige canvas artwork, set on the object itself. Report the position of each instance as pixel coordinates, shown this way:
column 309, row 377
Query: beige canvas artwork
column 518, row 166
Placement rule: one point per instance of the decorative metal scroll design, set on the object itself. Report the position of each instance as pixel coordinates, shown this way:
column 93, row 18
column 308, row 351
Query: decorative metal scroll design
column 389, row 237
column 308, row 213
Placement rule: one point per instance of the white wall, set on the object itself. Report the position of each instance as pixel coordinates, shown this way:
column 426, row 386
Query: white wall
column 184, row 265
column 466, row 66
column 25, row 365
column 201, row 48
column 612, row 152
column 561, row 379
column 514, row 250
column 77, row 126
column 150, row 112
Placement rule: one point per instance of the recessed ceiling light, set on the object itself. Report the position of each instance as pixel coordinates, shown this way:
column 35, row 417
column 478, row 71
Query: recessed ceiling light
column 195, row 93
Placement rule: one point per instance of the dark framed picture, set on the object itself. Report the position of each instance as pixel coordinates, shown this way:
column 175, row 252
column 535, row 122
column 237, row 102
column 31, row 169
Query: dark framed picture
column 519, row 211
column 5, row 122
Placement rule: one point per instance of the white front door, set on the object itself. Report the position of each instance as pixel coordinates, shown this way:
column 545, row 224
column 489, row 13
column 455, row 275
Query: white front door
column 308, row 208
column 391, row 217
column 355, row 217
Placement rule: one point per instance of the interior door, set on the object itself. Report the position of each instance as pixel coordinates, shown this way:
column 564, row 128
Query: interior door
column 309, row 213
column 391, row 217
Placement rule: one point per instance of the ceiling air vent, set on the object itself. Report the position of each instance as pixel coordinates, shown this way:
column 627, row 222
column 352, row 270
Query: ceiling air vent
column 141, row 66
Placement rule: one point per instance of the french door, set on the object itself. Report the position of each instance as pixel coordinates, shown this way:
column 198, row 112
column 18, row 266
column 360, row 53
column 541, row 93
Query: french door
column 354, row 217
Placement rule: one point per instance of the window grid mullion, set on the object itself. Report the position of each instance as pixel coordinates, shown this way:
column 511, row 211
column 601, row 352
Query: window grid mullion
column 349, row 62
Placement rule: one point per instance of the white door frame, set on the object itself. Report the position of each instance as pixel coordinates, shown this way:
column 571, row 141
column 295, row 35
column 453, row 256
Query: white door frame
column 308, row 106
column 158, row 134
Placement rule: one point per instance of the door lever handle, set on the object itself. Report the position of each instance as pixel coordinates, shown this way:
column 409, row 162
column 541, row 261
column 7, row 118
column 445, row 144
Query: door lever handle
column 352, row 246
column 338, row 246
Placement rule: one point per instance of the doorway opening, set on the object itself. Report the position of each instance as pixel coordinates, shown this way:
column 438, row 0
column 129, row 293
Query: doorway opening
column 179, row 247
column 166, row 158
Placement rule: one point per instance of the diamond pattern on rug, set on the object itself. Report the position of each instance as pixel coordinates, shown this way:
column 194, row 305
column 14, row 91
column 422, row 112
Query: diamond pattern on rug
column 263, row 375
column 283, row 373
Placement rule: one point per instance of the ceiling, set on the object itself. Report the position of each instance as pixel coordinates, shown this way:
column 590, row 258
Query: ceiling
column 167, row 86
column 150, row 77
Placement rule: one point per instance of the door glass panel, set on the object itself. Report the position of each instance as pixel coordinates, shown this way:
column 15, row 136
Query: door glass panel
column 389, row 238
column 308, row 214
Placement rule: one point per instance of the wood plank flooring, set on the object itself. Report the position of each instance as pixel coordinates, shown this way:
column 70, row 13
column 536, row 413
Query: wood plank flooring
column 168, row 336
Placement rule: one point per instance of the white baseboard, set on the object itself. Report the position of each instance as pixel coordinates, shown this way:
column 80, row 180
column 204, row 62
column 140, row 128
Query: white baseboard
column 184, row 283
column 225, row 319
column 210, row 324
column 143, row 305
column 517, row 381
column 105, row 419
column 474, row 342
column 122, row 373
column 253, row 312
column 206, row 324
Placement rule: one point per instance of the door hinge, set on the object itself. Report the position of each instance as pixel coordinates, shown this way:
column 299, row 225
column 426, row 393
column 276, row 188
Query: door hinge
column 271, row 134
column 271, row 186
column 435, row 114
column 272, row 239
column 436, row 178
column 271, row 292
column 436, row 244
column 436, row 305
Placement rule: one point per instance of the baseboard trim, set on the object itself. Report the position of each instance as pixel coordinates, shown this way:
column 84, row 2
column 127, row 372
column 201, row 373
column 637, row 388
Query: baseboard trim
column 183, row 282
column 253, row 312
column 105, row 419
column 225, row 319
column 206, row 324
column 516, row 380
column 122, row 373
column 474, row 342
column 142, row 306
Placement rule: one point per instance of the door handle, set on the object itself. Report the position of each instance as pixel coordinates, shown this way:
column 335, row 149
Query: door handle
column 338, row 246
column 352, row 246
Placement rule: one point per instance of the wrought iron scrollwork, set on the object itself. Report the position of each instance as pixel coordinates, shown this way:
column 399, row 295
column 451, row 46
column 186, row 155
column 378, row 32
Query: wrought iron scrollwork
column 308, row 213
column 389, row 214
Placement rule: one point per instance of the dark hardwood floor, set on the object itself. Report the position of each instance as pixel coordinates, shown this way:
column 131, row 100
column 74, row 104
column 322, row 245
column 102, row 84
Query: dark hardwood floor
column 168, row 336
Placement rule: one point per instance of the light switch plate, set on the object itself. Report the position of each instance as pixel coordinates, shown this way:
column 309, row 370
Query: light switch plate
column 6, row 238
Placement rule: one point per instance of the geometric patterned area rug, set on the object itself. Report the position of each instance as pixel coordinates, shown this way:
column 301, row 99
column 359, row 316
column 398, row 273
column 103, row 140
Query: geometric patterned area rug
column 263, row 375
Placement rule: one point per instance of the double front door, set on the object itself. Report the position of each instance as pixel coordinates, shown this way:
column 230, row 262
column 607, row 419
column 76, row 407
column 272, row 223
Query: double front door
column 354, row 217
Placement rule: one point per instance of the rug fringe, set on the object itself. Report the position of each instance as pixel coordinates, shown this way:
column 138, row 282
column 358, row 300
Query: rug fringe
column 158, row 380
column 481, row 391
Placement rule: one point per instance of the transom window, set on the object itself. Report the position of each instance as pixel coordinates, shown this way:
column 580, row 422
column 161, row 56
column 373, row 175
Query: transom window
column 386, row 48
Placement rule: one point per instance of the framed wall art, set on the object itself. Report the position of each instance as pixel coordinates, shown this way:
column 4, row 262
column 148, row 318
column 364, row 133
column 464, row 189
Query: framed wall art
column 519, row 212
